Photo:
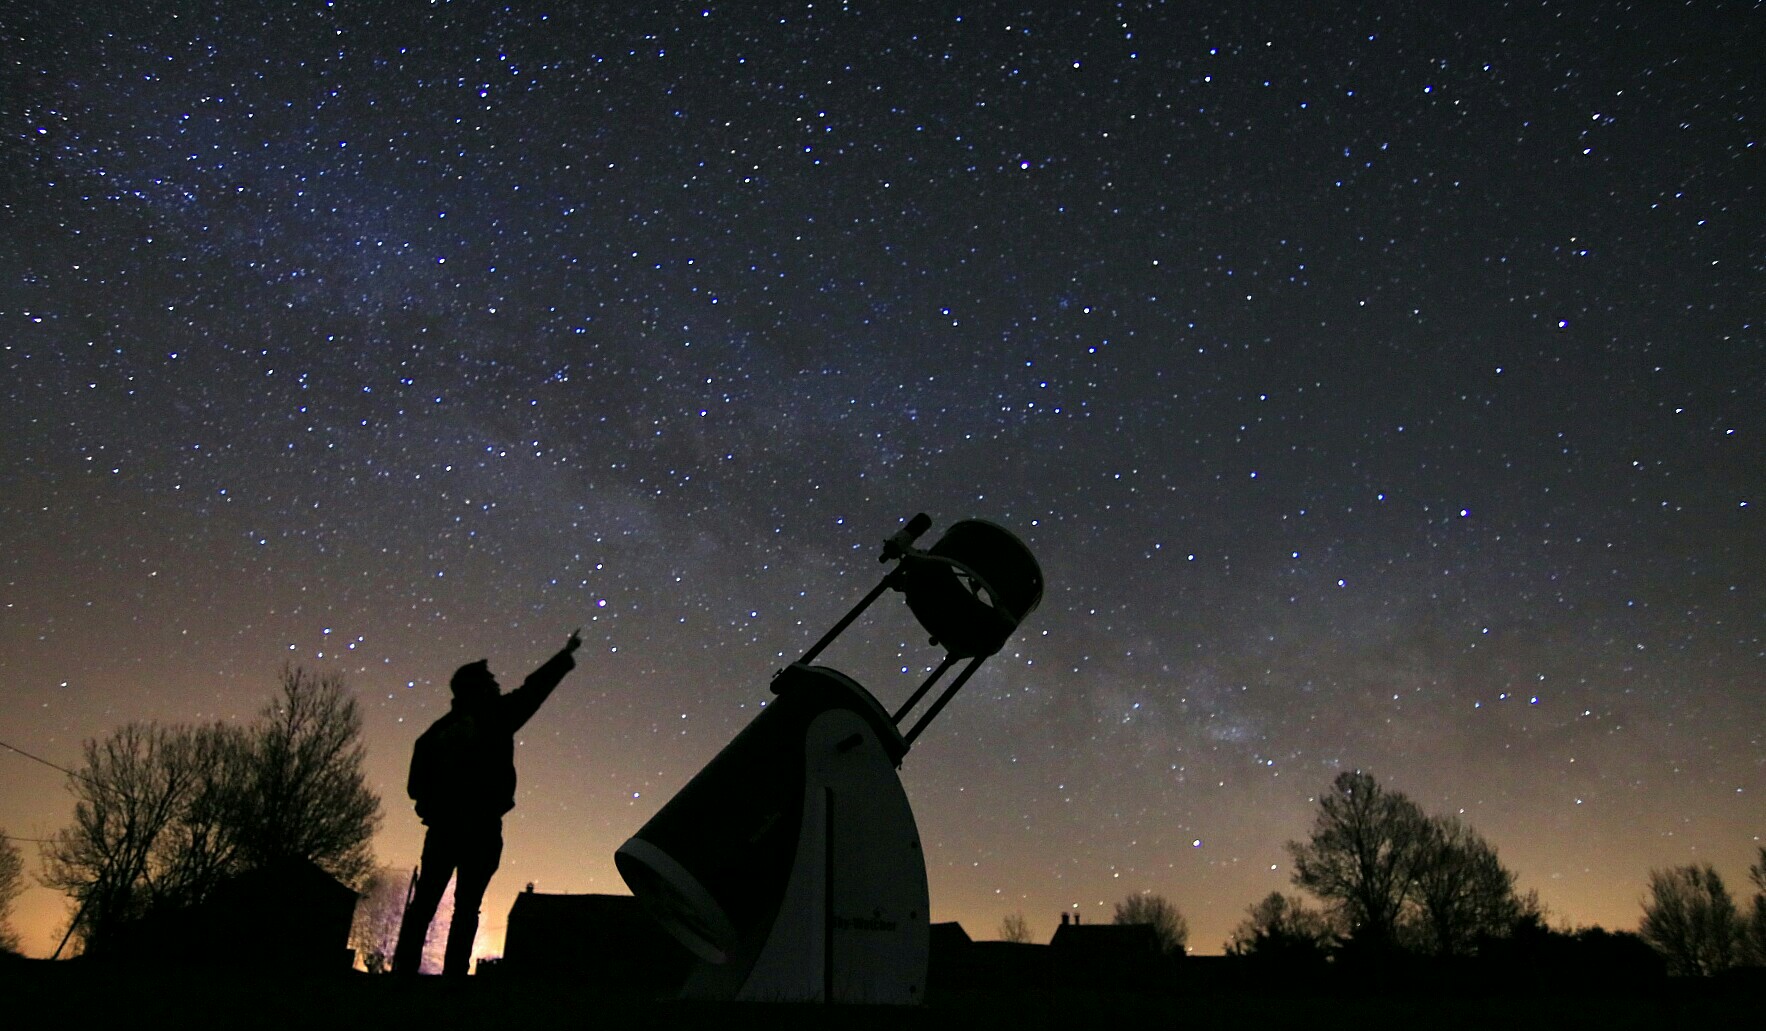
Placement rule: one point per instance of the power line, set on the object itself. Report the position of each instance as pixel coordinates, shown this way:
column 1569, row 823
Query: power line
column 38, row 758
column 45, row 762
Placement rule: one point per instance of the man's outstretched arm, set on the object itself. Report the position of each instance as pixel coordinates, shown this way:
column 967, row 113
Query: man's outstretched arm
column 520, row 704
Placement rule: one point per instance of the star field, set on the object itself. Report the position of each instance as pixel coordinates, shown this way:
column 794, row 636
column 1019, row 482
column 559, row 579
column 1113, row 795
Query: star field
column 1379, row 387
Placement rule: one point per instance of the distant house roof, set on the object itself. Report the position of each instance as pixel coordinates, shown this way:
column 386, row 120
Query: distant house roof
column 1112, row 939
column 958, row 964
column 290, row 915
column 947, row 934
column 1113, row 956
column 601, row 939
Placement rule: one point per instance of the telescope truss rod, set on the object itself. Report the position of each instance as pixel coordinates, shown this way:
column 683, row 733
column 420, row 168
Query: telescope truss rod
column 846, row 621
column 907, row 707
column 944, row 699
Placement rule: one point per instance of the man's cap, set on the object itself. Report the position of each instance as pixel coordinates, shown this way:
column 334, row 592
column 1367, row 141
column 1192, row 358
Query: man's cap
column 471, row 675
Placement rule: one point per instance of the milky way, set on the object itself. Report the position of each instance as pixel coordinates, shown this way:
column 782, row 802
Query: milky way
column 1379, row 385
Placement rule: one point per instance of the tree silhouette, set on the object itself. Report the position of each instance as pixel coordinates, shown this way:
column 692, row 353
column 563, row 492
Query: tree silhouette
column 306, row 797
column 163, row 814
column 1754, row 928
column 1168, row 923
column 1365, row 852
column 1014, row 928
column 1691, row 920
column 1462, row 890
column 133, row 785
column 1398, row 877
column 374, row 930
column 198, row 846
column 12, row 882
column 1283, row 927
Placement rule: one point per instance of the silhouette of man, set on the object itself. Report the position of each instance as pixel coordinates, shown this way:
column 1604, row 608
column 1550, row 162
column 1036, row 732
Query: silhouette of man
column 463, row 781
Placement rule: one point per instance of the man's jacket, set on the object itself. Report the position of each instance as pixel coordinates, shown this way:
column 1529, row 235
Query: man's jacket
column 463, row 766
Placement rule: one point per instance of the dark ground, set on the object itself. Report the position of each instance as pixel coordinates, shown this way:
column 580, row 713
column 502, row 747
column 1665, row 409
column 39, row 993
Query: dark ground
column 79, row 996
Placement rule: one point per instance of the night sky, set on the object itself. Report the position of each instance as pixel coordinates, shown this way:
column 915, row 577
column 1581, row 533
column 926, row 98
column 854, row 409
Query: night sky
column 1380, row 386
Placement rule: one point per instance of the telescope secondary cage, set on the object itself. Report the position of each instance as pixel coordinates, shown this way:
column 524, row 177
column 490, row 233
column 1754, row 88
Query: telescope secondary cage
column 790, row 864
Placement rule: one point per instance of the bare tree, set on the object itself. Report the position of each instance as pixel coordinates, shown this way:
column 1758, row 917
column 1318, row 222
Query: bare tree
column 307, row 797
column 1168, row 923
column 1014, row 928
column 164, row 814
column 1691, row 920
column 1462, row 890
column 1754, row 932
column 199, row 846
column 132, row 787
column 374, row 931
column 1363, row 856
column 1282, row 927
column 12, row 882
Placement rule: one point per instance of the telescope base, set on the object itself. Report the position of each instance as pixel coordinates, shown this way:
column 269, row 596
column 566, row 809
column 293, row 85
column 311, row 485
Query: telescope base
column 852, row 925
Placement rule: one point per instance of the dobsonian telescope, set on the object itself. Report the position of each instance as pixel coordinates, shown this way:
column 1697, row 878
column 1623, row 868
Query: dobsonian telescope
column 790, row 865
